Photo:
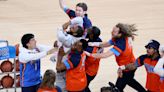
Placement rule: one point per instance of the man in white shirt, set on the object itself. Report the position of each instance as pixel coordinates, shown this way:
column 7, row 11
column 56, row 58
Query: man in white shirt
column 29, row 57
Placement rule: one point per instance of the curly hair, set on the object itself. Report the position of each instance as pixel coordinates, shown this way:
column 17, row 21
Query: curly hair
column 127, row 30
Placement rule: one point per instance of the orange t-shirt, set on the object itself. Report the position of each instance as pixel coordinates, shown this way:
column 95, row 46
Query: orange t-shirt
column 153, row 80
column 92, row 64
column 76, row 77
column 124, row 47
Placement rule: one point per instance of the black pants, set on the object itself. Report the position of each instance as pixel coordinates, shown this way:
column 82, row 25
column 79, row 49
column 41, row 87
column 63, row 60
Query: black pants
column 128, row 78
column 31, row 88
column 89, row 79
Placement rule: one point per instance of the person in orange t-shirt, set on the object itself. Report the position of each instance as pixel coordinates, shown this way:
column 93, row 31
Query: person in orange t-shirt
column 74, row 65
column 122, row 36
column 149, row 60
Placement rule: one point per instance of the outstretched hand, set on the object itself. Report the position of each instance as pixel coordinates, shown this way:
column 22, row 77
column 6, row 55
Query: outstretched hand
column 51, row 51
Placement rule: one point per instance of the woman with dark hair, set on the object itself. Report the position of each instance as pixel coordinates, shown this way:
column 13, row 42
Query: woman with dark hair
column 48, row 82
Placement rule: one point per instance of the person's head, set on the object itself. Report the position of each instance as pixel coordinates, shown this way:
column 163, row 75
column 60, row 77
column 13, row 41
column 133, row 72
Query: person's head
column 152, row 47
column 93, row 32
column 81, row 9
column 161, row 50
column 124, row 30
column 76, row 31
column 79, row 45
column 28, row 41
column 48, row 79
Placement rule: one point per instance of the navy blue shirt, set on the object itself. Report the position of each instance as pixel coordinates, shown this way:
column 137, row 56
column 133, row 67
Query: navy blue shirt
column 118, row 43
column 74, row 58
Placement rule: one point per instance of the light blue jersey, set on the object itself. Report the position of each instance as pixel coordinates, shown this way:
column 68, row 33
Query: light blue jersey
column 30, row 73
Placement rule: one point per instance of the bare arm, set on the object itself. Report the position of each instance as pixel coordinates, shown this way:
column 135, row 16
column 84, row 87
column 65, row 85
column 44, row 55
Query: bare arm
column 62, row 4
column 105, row 44
column 60, row 65
column 100, row 44
column 65, row 25
column 103, row 55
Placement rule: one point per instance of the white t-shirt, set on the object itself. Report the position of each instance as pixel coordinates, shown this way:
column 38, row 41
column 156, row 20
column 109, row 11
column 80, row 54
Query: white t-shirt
column 159, row 67
column 66, row 40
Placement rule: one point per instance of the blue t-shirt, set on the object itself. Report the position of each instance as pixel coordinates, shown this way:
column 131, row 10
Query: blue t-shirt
column 30, row 73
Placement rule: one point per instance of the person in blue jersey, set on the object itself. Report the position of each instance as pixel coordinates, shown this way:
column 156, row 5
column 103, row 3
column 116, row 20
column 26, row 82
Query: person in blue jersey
column 29, row 57
column 80, row 11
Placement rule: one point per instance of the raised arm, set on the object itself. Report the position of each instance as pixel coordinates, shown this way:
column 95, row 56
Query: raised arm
column 60, row 65
column 101, row 44
column 102, row 55
column 62, row 4
column 65, row 25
